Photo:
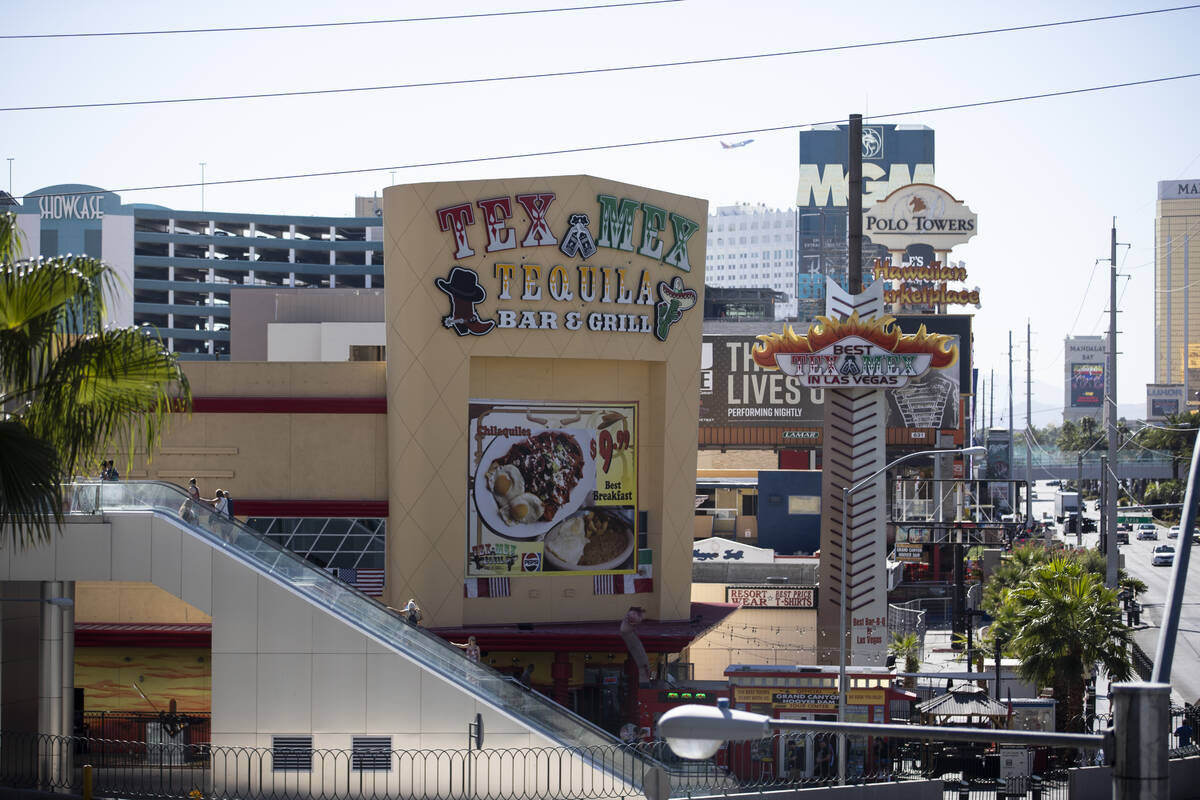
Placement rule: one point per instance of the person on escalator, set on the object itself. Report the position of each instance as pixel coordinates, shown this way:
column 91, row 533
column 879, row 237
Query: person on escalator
column 470, row 649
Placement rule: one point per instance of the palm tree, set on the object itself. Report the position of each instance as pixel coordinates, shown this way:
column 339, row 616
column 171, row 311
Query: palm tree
column 1062, row 620
column 69, row 387
column 908, row 647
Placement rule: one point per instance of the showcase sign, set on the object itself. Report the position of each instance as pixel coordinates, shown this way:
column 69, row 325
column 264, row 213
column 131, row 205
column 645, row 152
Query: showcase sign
column 542, row 276
column 870, row 353
column 551, row 489
column 920, row 213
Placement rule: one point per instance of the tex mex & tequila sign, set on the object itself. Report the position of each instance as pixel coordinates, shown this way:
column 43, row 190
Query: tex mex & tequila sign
column 571, row 269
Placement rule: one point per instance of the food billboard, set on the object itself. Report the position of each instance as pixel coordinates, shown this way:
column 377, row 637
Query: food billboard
column 551, row 488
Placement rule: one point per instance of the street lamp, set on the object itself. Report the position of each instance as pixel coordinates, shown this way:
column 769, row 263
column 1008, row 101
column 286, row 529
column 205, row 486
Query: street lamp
column 977, row 450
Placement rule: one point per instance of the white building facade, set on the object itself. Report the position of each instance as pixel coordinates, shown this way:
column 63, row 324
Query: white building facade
column 753, row 246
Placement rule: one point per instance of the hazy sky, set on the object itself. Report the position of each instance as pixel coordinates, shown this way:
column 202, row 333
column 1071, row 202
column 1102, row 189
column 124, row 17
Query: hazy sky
column 1045, row 176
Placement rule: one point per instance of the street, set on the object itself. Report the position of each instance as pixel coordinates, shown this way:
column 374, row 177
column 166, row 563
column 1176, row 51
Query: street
column 1185, row 677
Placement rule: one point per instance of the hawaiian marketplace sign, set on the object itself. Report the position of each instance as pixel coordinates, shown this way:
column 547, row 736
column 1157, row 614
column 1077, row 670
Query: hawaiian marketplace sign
column 618, row 265
column 855, row 353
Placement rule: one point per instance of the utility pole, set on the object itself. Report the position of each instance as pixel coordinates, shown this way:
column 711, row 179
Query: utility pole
column 992, row 398
column 1109, row 528
column 202, row 163
column 1028, row 429
column 854, row 207
column 1012, row 486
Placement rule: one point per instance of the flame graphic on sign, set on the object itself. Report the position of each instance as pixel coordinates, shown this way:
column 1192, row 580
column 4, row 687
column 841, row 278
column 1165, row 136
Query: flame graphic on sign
column 881, row 331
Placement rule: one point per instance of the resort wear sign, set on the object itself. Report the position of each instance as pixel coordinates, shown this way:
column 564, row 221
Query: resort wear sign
column 551, row 488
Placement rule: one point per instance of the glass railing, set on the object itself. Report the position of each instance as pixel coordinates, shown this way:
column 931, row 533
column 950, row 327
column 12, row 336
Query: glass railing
column 356, row 609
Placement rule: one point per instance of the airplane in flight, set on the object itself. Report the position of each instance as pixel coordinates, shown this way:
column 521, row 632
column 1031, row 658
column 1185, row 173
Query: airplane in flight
column 742, row 143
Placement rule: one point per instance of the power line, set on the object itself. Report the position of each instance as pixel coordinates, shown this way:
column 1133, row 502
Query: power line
column 296, row 26
column 579, row 72
column 639, row 143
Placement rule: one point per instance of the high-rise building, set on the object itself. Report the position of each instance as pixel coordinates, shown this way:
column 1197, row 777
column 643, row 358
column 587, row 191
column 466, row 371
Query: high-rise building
column 1176, row 296
column 753, row 246
column 182, row 265
column 893, row 156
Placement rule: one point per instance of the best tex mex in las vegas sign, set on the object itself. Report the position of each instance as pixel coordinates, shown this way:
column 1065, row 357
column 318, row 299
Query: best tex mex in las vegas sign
column 856, row 353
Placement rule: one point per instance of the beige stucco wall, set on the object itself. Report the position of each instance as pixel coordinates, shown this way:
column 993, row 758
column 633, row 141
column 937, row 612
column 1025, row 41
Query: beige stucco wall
column 433, row 373
column 751, row 636
column 129, row 602
column 276, row 455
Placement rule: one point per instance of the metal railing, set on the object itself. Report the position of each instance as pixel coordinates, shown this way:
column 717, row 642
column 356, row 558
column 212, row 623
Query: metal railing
column 141, row 770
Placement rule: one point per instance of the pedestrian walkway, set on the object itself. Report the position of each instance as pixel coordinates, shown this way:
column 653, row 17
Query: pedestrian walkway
column 940, row 655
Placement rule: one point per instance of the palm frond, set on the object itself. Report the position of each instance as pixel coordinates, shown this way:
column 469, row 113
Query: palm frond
column 30, row 485
column 113, row 386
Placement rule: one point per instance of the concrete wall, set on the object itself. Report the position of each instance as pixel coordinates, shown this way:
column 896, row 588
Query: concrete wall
column 272, row 452
column 908, row 790
column 320, row 341
column 751, row 636
column 129, row 602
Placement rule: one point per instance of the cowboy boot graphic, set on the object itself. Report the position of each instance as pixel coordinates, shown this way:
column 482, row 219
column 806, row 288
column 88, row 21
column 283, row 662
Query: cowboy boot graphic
column 464, row 292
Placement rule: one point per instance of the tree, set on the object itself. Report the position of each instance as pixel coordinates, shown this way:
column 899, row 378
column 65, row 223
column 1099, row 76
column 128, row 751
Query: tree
column 908, row 647
column 69, row 387
column 1059, row 621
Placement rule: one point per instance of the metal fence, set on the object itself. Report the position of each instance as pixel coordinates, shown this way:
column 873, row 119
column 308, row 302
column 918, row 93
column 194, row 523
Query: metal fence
column 292, row 770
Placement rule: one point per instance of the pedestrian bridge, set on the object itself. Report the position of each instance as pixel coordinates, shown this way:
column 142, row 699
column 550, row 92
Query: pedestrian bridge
column 1054, row 464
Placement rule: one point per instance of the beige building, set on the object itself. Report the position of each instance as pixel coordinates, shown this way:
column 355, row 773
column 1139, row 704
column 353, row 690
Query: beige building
column 523, row 318
column 1177, row 298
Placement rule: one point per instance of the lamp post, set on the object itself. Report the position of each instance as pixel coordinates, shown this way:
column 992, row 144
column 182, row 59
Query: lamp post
column 977, row 450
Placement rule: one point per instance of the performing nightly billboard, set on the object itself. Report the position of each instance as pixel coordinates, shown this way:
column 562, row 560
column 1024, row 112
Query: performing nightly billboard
column 1083, row 362
column 1087, row 385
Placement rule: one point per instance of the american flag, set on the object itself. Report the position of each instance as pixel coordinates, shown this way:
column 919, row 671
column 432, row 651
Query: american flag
column 368, row 581
column 622, row 584
column 487, row 587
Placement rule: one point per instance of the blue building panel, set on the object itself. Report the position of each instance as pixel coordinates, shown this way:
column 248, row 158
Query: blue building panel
column 789, row 511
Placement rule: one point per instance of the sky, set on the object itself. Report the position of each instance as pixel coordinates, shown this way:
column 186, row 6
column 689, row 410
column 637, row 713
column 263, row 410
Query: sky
column 1047, row 176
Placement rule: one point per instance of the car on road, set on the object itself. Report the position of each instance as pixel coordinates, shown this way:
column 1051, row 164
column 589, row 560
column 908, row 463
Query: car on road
column 1173, row 532
column 1122, row 536
column 1164, row 556
column 1147, row 530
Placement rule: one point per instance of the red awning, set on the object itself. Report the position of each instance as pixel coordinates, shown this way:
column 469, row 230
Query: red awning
column 125, row 634
column 658, row 636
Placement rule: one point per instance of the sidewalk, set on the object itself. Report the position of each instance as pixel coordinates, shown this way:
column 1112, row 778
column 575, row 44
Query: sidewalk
column 939, row 655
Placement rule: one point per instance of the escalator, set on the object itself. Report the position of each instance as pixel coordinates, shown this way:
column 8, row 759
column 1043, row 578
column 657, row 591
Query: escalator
column 269, row 559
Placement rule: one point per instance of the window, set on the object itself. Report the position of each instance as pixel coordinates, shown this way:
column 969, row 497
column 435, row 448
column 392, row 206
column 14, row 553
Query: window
column 371, row 753
column 804, row 504
column 750, row 505
column 291, row 753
